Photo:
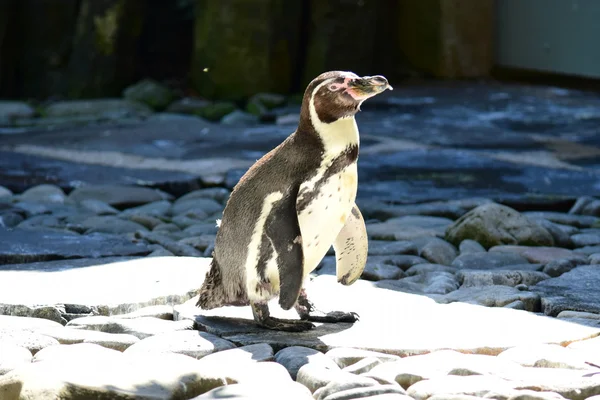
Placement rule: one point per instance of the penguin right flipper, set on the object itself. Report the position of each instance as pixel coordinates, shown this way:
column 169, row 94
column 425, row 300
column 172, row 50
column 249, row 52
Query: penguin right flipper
column 351, row 247
column 284, row 231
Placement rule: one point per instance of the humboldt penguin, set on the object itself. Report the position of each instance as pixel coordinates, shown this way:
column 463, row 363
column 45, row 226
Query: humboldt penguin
column 291, row 206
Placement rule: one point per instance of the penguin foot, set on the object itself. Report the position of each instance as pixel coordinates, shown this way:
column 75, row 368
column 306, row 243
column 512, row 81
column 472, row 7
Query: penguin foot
column 288, row 325
column 305, row 307
column 263, row 318
column 333, row 317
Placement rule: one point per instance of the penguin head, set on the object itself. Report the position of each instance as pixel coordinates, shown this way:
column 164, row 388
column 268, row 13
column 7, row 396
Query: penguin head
column 339, row 94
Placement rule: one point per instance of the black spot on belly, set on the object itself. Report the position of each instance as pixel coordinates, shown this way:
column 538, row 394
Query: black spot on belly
column 346, row 158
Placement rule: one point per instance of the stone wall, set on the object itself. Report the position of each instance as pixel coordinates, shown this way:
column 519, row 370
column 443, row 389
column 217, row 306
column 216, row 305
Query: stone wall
column 233, row 49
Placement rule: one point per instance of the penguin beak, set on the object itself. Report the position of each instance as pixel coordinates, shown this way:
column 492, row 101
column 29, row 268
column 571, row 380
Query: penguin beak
column 367, row 86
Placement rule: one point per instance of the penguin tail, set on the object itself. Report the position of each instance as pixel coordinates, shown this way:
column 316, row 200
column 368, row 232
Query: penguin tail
column 212, row 292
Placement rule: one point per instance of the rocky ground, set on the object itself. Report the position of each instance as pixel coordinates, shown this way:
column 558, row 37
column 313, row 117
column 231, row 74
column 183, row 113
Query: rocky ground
column 483, row 210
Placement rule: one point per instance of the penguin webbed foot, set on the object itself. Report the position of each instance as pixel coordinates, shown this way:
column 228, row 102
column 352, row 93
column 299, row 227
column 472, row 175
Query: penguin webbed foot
column 263, row 318
column 305, row 307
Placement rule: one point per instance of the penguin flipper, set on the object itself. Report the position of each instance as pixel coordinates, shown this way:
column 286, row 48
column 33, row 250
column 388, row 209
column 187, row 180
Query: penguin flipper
column 285, row 235
column 351, row 246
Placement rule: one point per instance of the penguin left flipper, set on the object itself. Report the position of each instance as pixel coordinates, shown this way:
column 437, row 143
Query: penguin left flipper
column 284, row 231
column 351, row 247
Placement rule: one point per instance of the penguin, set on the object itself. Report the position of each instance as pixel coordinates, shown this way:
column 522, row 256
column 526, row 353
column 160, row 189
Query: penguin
column 291, row 206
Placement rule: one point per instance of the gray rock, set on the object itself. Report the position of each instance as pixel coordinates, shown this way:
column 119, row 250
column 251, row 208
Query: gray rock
column 159, row 311
column 569, row 383
column 192, row 205
column 97, row 109
column 29, row 340
column 558, row 267
column 368, row 392
column 288, row 119
column 13, row 356
column 191, row 343
column 586, row 206
column 438, row 251
column 586, row 239
column 247, row 391
column 10, row 219
column 471, row 278
column 545, row 356
column 268, row 100
column 540, row 254
column 119, row 196
column 115, row 375
column 383, row 211
column 587, row 250
column 429, row 268
column 451, row 385
column 594, row 258
column 376, row 271
column 98, row 207
column 401, row 261
column 200, row 243
column 134, row 283
column 33, row 208
column 21, row 246
column 166, row 228
column 315, row 376
column 38, row 222
column 579, row 221
column 423, row 283
column 155, row 209
column 347, row 356
column 10, row 110
column 255, row 352
column 5, row 193
column 44, row 194
column 364, row 365
column 294, row 357
column 187, row 105
column 470, row 246
column 481, row 330
column 160, row 251
column 114, row 341
column 216, row 193
column 487, row 261
column 138, row 327
column 149, row 92
column 200, row 229
column 574, row 290
column 493, row 296
column 179, row 249
column 238, row 117
column 560, row 233
column 110, row 224
column 408, row 227
column 52, row 313
column 384, row 247
column 578, row 314
column 345, row 383
column 216, row 111
column 494, row 224
column 147, row 221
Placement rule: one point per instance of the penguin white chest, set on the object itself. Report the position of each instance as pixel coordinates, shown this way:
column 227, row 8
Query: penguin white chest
column 325, row 214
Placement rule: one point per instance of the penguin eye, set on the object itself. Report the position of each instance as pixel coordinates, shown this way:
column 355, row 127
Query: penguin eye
column 334, row 87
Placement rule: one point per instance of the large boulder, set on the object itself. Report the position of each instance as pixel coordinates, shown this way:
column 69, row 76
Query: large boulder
column 36, row 46
column 102, row 59
column 259, row 55
column 493, row 224
column 447, row 38
column 342, row 35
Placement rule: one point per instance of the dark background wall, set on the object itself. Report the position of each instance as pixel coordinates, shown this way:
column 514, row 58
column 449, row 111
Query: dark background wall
column 231, row 49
